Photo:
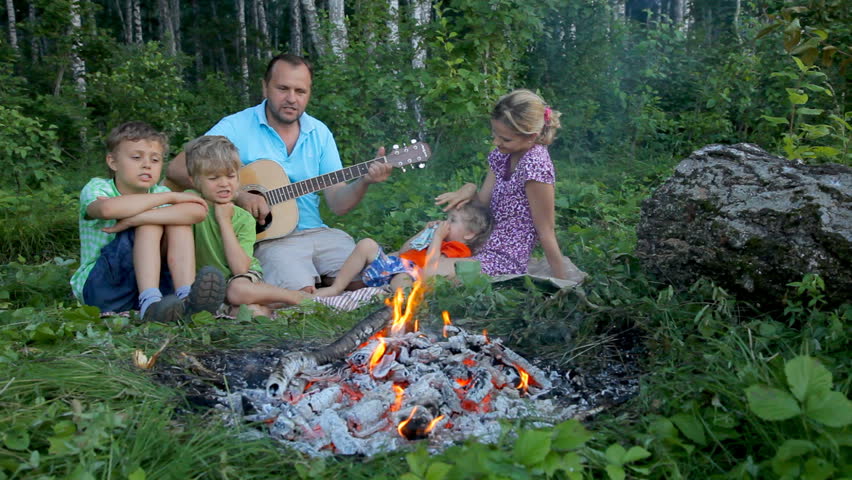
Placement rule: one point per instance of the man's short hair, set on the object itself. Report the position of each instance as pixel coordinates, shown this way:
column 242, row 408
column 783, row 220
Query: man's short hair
column 211, row 154
column 290, row 58
column 133, row 132
column 479, row 221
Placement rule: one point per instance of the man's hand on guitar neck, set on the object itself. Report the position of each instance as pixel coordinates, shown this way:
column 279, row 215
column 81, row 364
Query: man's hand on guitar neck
column 255, row 204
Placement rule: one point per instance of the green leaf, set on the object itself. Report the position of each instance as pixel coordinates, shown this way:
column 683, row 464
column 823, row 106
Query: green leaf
column 572, row 463
column 615, row 472
column 829, row 408
column 636, row 453
column 138, row 474
column 531, row 447
column 771, row 403
column 64, row 428
column 794, row 448
column 775, row 120
column 417, row 462
column 806, row 376
column 810, row 111
column 797, row 98
column 570, row 435
column 691, row 427
column 17, row 439
column 438, row 471
column 615, row 454
column 818, row 469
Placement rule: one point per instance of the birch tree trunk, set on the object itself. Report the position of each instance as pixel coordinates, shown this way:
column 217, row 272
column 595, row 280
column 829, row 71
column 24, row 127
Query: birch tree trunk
column 393, row 22
column 35, row 47
column 13, row 30
column 167, row 32
column 339, row 40
column 243, row 51
column 309, row 9
column 296, row 39
column 125, row 11
column 263, row 27
column 78, row 65
column 137, row 22
column 175, row 22
column 421, row 11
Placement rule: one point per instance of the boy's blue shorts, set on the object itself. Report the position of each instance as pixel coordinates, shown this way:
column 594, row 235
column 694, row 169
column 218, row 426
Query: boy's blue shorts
column 380, row 271
column 111, row 285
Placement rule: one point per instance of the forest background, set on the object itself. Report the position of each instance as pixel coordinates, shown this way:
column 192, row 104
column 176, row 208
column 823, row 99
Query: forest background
column 640, row 83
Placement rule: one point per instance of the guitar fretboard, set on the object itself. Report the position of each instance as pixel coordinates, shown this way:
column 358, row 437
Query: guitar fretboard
column 311, row 185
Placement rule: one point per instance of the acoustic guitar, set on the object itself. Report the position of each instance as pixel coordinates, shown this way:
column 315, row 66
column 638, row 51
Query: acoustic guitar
column 267, row 178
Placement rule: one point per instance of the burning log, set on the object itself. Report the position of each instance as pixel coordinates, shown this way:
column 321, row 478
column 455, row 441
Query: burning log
column 511, row 358
column 291, row 364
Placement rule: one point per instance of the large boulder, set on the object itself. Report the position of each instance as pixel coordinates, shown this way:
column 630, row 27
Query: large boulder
column 751, row 222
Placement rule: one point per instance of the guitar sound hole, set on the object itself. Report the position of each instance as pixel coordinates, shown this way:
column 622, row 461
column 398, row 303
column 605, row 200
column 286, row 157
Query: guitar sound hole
column 258, row 228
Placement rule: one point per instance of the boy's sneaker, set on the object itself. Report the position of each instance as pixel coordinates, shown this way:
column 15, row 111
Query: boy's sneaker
column 168, row 310
column 207, row 292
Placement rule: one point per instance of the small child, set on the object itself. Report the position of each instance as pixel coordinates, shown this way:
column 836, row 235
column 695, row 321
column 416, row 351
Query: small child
column 464, row 231
column 127, row 224
column 226, row 237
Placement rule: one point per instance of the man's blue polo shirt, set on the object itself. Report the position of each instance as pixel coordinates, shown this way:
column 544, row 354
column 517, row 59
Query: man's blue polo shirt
column 315, row 152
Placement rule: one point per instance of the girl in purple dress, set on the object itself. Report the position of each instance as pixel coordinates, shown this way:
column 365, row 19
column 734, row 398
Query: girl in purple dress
column 519, row 187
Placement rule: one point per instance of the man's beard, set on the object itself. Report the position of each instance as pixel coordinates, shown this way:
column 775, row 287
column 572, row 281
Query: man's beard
column 281, row 119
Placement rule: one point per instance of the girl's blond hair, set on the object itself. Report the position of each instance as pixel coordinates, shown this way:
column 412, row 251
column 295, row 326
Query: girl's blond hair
column 528, row 114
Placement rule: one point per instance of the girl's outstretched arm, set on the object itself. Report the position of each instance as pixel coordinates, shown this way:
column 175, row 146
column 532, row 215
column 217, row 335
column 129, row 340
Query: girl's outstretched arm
column 468, row 193
column 542, row 206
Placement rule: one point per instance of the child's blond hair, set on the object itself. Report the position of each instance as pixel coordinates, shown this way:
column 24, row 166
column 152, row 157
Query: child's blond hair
column 528, row 114
column 211, row 154
column 478, row 221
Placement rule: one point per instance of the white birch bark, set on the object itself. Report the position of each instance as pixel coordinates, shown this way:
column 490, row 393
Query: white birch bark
column 35, row 47
column 393, row 21
column 137, row 22
column 339, row 40
column 13, row 29
column 78, row 65
column 264, row 30
column 296, row 39
column 241, row 35
column 125, row 11
column 309, row 10
column 421, row 11
column 174, row 8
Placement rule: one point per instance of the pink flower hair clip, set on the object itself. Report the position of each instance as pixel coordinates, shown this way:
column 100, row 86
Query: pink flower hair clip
column 547, row 112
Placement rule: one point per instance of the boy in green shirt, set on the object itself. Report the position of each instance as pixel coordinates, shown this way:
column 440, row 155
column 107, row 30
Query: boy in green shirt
column 136, row 236
column 226, row 237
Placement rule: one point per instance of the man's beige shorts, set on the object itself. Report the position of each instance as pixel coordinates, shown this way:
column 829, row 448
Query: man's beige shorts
column 301, row 258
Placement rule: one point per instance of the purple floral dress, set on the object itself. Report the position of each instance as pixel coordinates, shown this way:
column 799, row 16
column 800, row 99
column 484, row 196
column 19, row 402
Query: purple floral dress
column 511, row 243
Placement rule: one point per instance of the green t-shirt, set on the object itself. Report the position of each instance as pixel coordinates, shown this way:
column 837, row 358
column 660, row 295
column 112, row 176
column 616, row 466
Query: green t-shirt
column 92, row 239
column 209, row 248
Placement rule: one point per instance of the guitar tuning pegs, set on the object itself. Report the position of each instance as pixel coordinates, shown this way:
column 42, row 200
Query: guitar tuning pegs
column 403, row 169
column 395, row 147
column 413, row 141
column 421, row 165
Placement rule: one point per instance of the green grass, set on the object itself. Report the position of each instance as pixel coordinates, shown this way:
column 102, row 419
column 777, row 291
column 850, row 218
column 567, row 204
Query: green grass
column 72, row 405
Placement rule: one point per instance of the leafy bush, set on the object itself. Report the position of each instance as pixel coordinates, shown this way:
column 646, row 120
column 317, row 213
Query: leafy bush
column 39, row 224
column 28, row 150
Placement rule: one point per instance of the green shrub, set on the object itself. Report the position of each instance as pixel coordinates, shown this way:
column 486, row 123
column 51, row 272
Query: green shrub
column 28, row 150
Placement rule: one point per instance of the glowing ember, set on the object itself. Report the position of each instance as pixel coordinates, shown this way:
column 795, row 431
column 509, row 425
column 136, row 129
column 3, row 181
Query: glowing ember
column 434, row 423
column 446, row 316
column 402, row 424
column 463, row 382
column 377, row 353
column 398, row 402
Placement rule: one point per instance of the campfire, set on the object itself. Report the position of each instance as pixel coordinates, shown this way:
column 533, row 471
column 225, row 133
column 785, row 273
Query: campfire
column 387, row 383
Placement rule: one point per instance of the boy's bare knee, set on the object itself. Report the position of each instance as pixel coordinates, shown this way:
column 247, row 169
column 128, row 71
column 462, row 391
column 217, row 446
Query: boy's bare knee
column 149, row 231
column 239, row 292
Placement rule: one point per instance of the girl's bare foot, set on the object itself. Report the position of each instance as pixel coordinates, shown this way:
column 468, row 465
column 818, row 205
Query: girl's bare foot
column 327, row 292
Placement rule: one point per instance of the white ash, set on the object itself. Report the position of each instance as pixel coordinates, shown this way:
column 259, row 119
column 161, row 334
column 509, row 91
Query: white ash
column 470, row 379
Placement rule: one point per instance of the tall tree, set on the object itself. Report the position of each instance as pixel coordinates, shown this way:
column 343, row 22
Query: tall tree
column 35, row 46
column 422, row 13
column 174, row 8
column 13, row 31
column 296, row 38
column 137, row 22
column 243, row 49
column 263, row 27
column 78, row 65
column 167, row 32
column 125, row 13
column 339, row 35
column 309, row 9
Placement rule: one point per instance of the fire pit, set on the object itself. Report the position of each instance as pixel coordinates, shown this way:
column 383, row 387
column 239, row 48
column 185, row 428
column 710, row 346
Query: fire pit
column 387, row 383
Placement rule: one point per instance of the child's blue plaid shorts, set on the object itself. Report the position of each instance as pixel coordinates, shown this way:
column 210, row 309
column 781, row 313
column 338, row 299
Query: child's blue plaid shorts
column 380, row 271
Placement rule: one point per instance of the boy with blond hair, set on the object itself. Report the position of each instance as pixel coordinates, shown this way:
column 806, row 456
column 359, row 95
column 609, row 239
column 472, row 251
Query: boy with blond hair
column 226, row 237
column 129, row 225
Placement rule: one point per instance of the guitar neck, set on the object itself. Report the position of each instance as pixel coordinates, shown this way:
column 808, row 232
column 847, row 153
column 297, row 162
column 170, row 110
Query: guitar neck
column 315, row 184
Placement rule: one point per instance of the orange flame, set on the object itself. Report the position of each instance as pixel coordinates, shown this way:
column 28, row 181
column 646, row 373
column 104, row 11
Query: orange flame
column 403, row 423
column 434, row 423
column 525, row 379
column 398, row 402
column 377, row 353
column 446, row 316
column 400, row 319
